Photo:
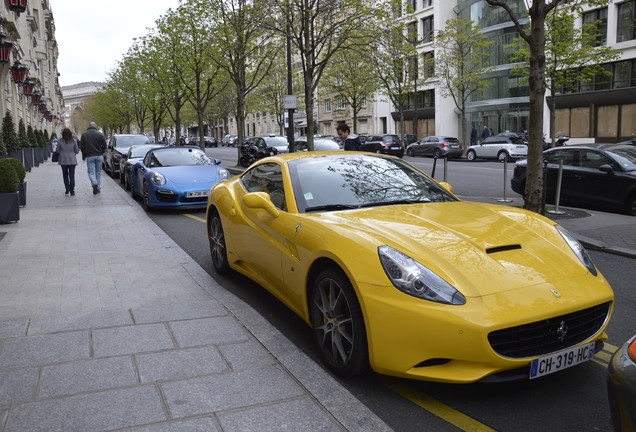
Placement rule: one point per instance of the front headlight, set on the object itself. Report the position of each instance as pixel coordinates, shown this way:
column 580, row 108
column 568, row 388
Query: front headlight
column 224, row 174
column 578, row 249
column 158, row 179
column 412, row 278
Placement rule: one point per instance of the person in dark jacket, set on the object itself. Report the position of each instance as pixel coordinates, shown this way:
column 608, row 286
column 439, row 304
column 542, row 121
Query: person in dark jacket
column 351, row 141
column 93, row 146
column 67, row 148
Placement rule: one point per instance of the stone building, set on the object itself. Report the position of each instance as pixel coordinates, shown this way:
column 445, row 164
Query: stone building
column 74, row 98
column 29, row 85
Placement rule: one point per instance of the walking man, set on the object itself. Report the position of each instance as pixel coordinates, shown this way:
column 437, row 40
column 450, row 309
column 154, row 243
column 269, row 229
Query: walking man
column 93, row 146
column 351, row 141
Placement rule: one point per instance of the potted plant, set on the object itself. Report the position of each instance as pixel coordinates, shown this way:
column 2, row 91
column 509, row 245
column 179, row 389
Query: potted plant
column 21, row 172
column 27, row 151
column 9, row 199
column 34, row 145
column 10, row 137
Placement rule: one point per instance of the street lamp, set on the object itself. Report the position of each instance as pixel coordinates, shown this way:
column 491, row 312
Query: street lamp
column 36, row 97
column 18, row 71
column 42, row 107
column 17, row 6
column 29, row 86
column 5, row 48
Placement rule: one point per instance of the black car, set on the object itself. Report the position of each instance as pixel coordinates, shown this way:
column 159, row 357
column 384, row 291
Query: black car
column 621, row 387
column 207, row 140
column 117, row 147
column 384, row 144
column 132, row 156
column 599, row 176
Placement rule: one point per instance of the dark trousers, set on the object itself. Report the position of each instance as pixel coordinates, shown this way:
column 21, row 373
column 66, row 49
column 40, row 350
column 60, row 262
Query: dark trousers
column 68, row 173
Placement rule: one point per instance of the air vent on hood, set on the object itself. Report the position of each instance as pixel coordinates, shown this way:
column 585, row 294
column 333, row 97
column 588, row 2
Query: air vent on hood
column 502, row 248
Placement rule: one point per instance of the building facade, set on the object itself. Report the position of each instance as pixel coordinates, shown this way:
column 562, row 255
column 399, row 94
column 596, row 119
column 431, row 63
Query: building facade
column 29, row 35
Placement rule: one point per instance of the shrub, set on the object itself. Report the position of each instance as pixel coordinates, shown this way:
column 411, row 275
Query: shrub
column 17, row 166
column 9, row 135
column 22, row 135
column 8, row 177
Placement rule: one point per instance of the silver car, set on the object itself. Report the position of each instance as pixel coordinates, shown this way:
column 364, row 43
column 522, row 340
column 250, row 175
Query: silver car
column 498, row 147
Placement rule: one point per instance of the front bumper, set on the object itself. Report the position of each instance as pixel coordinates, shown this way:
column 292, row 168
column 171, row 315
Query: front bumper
column 416, row 339
column 621, row 390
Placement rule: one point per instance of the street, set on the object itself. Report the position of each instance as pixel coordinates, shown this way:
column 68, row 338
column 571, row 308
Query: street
column 574, row 399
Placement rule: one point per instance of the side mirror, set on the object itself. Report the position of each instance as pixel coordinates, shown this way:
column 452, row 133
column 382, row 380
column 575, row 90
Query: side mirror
column 446, row 186
column 217, row 161
column 139, row 164
column 261, row 200
column 606, row 168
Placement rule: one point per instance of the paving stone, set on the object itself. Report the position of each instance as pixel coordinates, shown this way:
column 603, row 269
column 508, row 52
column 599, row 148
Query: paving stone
column 87, row 376
column 290, row 416
column 176, row 312
column 208, row 331
column 17, row 386
column 93, row 412
column 205, row 424
column 42, row 350
column 131, row 340
column 185, row 363
column 82, row 321
column 199, row 396
column 246, row 355
column 13, row 327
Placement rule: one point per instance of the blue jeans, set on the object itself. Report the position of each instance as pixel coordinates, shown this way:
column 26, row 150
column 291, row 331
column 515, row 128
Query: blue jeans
column 68, row 173
column 94, row 164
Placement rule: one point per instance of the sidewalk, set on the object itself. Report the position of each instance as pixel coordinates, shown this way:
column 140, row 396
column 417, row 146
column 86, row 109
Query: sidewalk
column 107, row 325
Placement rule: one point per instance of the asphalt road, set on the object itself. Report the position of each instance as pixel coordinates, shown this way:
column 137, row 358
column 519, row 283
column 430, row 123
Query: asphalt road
column 572, row 400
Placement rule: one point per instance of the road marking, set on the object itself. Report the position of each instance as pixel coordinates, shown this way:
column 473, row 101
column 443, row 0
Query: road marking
column 197, row 218
column 603, row 357
column 443, row 411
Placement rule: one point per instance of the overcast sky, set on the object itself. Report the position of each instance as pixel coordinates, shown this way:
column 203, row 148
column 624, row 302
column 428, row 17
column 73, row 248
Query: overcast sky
column 92, row 35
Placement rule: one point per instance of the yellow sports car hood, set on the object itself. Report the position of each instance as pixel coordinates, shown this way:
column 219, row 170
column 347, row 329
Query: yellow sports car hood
column 480, row 249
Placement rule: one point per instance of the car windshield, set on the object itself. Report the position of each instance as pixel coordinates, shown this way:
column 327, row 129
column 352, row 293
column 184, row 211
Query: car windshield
column 626, row 157
column 139, row 151
column 132, row 140
column 353, row 181
column 179, row 157
column 319, row 145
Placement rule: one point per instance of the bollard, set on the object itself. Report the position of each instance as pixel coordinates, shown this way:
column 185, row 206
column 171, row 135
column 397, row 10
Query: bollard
column 505, row 181
column 557, row 198
column 434, row 165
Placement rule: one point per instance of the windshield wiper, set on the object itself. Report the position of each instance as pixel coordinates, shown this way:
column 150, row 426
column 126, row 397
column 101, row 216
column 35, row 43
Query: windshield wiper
column 332, row 207
column 397, row 202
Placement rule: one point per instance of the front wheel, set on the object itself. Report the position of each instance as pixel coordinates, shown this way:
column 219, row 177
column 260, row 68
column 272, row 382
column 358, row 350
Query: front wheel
column 471, row 155
column 410, row 152
column 338, row 324
column 437, row 154
column 631, row 205
column 216, row 237
column 146, row 198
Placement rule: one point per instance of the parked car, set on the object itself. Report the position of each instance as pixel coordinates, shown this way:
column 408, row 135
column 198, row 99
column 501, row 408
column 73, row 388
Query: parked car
column 132, row 156
column 208, row 141
column 320, row 144
column 601, row 176
column 117, row 147
column 175, row 177
column 409, row 139
column 372, row 254
column 498, row 147
column 229, row 140
column 436, row 146
column 278, row 142
column 629, row 141
column 384, row 144
column 253, row 149
column 621, row 387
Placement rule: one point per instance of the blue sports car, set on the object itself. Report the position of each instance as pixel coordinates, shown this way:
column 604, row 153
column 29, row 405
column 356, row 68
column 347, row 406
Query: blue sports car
column 175, row 177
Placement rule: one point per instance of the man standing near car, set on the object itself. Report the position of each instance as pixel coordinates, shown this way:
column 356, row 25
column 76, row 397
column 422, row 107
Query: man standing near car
column 93, row 146
column 351, row 141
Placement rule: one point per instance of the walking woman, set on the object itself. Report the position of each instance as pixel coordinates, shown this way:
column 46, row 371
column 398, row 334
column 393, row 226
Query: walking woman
column 68, row 149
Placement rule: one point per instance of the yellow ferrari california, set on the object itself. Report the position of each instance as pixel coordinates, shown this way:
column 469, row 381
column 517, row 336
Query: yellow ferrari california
column 393, row 272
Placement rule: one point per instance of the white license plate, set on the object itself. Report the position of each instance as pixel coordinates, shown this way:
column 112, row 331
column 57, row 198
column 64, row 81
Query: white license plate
column 196, row 194
column 454, row 146
column 561, row 360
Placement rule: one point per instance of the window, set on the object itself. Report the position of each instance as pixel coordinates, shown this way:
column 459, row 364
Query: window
column 411, row 6
column 595, row 23
column 428, row 64
column 327, row 105
column 266, row 178
column 413, row 68
column 427, row 3
column 340, row 103
column 411, row 32
column 427, row 29
column 626, row 22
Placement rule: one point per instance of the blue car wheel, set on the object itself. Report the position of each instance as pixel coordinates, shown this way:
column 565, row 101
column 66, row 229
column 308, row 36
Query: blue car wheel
column 146, row 197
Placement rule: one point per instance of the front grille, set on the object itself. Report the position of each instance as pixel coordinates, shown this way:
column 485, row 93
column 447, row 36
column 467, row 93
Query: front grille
column 543, row 337
column 185, row 199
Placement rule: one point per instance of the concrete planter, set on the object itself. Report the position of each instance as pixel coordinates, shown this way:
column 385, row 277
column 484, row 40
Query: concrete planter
column 22, row 192
column 9, row 207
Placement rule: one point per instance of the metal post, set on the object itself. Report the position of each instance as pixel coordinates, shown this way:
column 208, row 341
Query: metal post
column 446, row 169
column 290, row 87
column 505, row 181
column 557, row 198
column 434, row 165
